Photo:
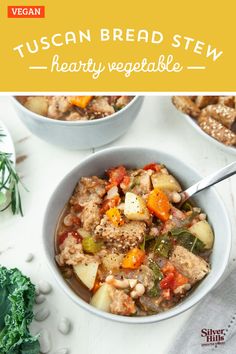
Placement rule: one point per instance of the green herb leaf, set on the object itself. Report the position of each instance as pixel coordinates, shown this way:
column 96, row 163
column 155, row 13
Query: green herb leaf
column 9, row 182
column 187, row 206
column 154, row 291
column 189, row 219
column 146, row 240
column 156, row 270
column 157, row 274
column 16, row 309
column 188, row 240
column 163, row 245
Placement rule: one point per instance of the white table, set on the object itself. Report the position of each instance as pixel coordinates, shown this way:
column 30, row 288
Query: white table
column 42, row 169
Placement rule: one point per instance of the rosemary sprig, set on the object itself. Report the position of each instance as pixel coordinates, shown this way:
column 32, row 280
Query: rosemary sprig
column 9, row 183
column 1, row 134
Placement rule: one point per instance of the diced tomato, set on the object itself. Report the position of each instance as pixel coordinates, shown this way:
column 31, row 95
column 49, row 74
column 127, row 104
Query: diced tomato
column 168, row 268
column 167, row 282
column 166, row 294
column 152, row 166
column 133, row 259
column 116, row 175
column 109, row 203
column 76, row 208
column 173, row 279
column 71, row 219
column 180, row 279
column 65, row 234
column 126, row 181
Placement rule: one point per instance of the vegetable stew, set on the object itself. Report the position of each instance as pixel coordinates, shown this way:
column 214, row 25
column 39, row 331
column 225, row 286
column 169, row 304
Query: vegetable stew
column 74, row 108
column 124, row 246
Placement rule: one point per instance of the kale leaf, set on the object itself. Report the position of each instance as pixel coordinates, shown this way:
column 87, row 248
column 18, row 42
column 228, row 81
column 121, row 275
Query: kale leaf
column 157, row 276
column 17, row 295
column 187, row 240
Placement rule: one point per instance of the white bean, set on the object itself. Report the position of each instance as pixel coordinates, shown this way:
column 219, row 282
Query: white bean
column 119, row 284
column 64, row 326
column 45, row 341
column 42, row 314
column 138, row 291
column 29, row 257
column 62, row 351
column 132, row 282
column 40, row 299
column 176, row 197
column 45, row 287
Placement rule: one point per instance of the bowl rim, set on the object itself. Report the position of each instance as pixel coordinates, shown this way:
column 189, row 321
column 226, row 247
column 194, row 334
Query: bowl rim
column 223, row 147
column 180, row 308
column 76, row 122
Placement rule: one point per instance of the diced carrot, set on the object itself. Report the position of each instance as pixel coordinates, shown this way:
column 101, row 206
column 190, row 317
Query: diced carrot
column 158, row 204
column 133, row 259
column 81, row 101
column 96, row 286
column 65, row 234
column 114, row 216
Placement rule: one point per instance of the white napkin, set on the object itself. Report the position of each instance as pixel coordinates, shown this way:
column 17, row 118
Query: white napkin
column 216, row 316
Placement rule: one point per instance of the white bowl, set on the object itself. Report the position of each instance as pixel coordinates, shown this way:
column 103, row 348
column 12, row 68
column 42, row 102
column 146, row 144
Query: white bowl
column 136, row 157
column 77, row 135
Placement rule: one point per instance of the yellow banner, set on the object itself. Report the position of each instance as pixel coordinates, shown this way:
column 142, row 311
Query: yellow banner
column 117, row 46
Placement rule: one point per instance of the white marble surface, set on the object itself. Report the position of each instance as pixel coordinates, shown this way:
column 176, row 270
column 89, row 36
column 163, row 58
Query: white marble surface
column 157, row 125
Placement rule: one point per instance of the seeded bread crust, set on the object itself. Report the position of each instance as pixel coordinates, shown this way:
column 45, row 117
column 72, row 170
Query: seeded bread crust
column 188, row 264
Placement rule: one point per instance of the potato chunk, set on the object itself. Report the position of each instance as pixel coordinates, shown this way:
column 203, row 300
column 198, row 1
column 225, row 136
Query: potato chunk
column 102, row 298
column 87, row 273
column 203, row 231
column 167, row 183
column 37, row 105
column 135, row 207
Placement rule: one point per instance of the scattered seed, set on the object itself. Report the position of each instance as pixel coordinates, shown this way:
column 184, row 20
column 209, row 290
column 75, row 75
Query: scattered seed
column 42, row 314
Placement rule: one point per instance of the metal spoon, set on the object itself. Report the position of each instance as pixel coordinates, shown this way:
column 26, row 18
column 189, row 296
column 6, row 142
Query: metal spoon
column 208, row 181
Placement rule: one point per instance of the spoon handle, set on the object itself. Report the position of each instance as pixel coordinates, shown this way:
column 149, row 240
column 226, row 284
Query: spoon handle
column 214, row 178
